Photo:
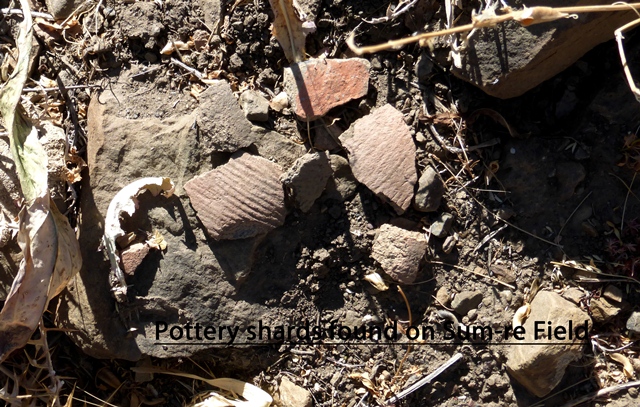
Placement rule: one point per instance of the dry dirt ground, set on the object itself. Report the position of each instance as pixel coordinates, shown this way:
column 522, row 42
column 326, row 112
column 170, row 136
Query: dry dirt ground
column 559, row 177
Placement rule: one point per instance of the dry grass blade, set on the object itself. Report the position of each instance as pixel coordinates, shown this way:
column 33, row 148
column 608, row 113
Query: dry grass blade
column 601, row 393
column 51, row 251
column 288, row 29
column 526, row 17
column 255, row 396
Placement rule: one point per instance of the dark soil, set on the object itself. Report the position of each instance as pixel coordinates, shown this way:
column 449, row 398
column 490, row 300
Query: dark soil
column 571, row 127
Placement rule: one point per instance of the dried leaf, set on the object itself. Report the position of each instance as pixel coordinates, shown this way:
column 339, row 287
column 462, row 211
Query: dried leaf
column 289, row 28
column 49, row 246
column 172, row 46
column 537, row 15
column 376, row 280
column 254, row 396
column 627, row 367
column 157, row 241
column 521, row 315
column 365, row 380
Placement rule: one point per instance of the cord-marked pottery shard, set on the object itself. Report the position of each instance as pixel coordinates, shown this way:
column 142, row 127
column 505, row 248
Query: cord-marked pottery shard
column 382, row 156
column 241, row 199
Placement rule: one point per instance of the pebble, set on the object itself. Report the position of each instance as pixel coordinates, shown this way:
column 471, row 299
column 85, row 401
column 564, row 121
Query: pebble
column 343, row 185
column 279, row 102
column 441, row 226
column 430, row 191
column 61, row 9
column 466, row 301
column 399, row 252
column 235, row 62
column 308, row 178
column 382, row 156
column 633, row 324
column 292, row 395
column 318, row 85
column 442, row 295
column 254, row 105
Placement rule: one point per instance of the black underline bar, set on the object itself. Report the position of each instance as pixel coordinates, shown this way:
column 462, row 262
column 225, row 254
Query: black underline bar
column 365, row 343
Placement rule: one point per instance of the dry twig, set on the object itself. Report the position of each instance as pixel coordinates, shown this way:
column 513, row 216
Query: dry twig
column 454, row 359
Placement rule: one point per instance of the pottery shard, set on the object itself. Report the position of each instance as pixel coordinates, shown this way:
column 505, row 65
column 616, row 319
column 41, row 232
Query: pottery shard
column 317, row 86
column 221, row 121
column 133, row 256
column 540, row 368
column 241, row 199
column 399, row 252
column 382, row 156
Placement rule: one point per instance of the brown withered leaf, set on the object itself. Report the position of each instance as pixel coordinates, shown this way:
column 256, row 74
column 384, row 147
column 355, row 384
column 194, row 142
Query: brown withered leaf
column 627, row 367
column 49, row 246
column 288, row 28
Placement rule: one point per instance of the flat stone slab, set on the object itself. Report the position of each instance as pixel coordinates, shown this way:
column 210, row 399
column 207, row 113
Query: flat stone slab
column 382, row 156
column 318, row 85
column 195, row 279
column 241, row 199
column 221, row 120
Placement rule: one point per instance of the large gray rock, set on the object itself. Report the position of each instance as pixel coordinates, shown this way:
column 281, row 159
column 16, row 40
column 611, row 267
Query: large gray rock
column 276, row 147
column 222, row 122
column 382, row 156
column 508, row 60
column 540, row 368
column 195, row 279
